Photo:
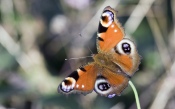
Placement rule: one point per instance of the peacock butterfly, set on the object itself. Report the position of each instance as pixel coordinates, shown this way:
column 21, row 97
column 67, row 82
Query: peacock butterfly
column 114, row 64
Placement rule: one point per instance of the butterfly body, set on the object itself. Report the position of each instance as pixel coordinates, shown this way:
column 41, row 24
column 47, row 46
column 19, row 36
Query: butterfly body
column 104, row 60
column 114, row 64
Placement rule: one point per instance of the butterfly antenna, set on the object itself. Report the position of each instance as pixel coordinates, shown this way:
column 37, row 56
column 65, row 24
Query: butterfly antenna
column 90, row 50
column 79, row 58
column 87, row 46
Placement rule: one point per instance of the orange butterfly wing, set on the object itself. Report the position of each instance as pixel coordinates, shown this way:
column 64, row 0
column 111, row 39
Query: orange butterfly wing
column 116, row 61
column 110, row 31
column 126, row 56
column 82, row 80
column 110, row 83
column 87, row 78
column 110, row 40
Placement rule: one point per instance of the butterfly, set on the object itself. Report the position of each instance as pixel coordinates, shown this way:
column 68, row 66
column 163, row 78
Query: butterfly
column 114, row 64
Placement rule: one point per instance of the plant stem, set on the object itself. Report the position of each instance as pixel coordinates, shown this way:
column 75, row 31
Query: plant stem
column 136, row 95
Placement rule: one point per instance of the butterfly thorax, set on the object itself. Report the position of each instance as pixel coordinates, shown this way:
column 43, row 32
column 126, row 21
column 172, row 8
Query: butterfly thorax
column 104, row 60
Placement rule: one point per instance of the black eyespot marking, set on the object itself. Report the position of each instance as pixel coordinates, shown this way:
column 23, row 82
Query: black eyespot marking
column 104, row 18
column 74, row 75
column 82, row 69
column 126, row 48
column 101, row 29
column 103, row 86
column 100, row 39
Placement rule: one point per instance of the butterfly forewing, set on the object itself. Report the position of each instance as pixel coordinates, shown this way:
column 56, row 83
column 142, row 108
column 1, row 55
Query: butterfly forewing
column 110, row 31
column 87, row 78
column 82, row 80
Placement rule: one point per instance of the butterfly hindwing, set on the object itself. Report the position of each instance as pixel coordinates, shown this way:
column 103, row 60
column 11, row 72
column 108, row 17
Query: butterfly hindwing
column 110, row 83
column 82, row 80
column 110, row 31
column 126, row 56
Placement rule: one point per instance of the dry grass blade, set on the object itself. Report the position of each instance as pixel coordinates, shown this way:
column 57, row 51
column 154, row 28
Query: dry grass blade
column 163, row 50
column 31, row 62
column 137, row 15
column 165, row 91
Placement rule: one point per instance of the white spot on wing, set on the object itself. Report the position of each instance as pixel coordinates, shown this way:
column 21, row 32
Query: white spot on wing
column 115, row 31
column 78, row 70
column 112, row 26
column 98, row 35
column 82, row 86
column 77, row 86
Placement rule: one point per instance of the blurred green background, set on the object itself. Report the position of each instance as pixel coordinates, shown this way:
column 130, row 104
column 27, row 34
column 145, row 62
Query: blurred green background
column 36, row 36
